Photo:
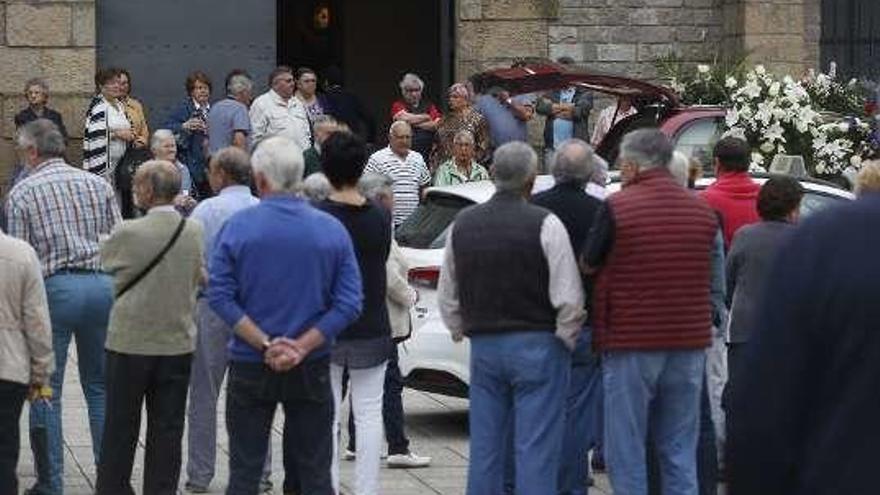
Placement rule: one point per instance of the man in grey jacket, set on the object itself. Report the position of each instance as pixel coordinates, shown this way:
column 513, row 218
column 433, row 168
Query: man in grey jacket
column 26, row 357
column 749, row 261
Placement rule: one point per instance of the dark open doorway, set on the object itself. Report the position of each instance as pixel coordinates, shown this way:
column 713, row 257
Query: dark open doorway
column 374, row 42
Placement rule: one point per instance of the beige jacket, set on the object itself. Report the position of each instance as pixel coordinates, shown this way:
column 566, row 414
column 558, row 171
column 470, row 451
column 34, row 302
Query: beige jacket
column 25, row 331
column 155, row 317
column 401, row 297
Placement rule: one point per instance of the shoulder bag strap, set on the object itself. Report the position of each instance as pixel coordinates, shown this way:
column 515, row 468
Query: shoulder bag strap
column 155, row 261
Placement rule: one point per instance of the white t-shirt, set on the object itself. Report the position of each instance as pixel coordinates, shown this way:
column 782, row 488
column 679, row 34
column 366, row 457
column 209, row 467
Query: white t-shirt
column 116, row 121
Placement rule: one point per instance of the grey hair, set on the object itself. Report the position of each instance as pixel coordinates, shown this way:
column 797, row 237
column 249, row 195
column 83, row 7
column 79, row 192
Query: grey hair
column 234, row 162
column 158, row 136
column 374, row 185
column 280, row 161
column 398, row 123
column 43, row 135
column 322, row 120
column 600, row 172
column 574, row 161
column 411, row 78
column 463, row 136
column 163, row 177
column 515, row 164
column 239, row 83
column 316, row 187
column 678, row 167
column 36, row 81
column 647, row 148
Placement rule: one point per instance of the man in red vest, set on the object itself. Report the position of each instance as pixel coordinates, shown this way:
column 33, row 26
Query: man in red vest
column 649, row 247
column 734, row 195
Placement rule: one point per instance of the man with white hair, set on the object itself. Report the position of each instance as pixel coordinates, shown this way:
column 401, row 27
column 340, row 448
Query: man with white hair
column 422, row 115
column 405, row 167
column 509, row 282
column 229, row 172
column 228, row 121
column 462, row 167
column 653, row 322
column 572, row 166
column 280, row 349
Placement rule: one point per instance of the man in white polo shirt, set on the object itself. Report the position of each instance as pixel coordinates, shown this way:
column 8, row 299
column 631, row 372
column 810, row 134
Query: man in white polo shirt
column 277, row 113
column 405, row 167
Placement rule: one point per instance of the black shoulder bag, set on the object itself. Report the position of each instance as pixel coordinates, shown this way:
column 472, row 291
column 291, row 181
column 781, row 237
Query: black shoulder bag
column 155, row 261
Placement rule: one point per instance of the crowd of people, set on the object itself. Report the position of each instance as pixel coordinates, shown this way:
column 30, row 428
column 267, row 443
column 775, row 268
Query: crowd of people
column 597, row 322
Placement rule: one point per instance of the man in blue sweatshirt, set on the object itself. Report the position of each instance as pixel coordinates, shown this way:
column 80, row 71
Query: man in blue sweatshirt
column 285, row 277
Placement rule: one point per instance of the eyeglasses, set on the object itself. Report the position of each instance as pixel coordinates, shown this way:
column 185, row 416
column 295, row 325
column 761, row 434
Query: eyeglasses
column 413, row 90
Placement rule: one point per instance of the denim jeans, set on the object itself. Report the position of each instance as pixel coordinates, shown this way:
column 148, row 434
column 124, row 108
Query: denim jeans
column 79, row 307
column 253, row 394
column 582, row 417
column 661, row 388
column 707, row 454
column 12, row 397
column 525, row 372
column 133, row 381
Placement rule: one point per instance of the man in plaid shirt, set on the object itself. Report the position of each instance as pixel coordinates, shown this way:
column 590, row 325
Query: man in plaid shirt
column 62, row 212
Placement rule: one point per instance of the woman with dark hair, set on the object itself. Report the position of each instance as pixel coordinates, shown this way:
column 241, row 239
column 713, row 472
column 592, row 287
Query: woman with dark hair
column 750, row 259
column 364, row 347
column 107, row 131
column 306, row 87
column 189, row 123
column 134, row 110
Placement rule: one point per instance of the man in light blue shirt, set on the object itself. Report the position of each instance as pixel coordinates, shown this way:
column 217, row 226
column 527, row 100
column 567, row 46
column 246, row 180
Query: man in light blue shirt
column 229, row 173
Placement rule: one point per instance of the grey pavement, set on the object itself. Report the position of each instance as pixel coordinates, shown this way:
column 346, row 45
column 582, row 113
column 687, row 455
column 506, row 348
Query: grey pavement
column 437, row 427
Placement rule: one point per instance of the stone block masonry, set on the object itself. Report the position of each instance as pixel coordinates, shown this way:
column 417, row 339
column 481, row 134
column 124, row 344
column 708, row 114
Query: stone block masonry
column 54, row 41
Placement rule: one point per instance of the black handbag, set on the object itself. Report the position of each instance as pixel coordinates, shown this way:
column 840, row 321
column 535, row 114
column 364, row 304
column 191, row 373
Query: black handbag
column 128, row 165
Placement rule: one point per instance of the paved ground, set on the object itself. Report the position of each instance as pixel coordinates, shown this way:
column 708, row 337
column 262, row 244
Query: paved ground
column 437, row 427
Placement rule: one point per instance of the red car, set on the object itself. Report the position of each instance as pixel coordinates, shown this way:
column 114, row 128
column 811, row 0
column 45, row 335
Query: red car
column 693, row 129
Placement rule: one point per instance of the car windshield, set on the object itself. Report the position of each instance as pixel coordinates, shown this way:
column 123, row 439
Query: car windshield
column 426, row 227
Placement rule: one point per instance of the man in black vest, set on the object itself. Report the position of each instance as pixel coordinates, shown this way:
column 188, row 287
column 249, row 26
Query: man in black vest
column 519, row 298
column 573, row 165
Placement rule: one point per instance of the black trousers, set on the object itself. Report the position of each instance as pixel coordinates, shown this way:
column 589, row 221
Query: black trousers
column 162, row 382
column 12, row 397
column 253, row 394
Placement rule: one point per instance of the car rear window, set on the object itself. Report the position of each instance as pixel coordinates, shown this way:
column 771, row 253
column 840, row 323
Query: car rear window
column 426, row 227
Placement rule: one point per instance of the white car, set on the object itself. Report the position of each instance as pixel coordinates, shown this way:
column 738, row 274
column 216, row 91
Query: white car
column 430, row 360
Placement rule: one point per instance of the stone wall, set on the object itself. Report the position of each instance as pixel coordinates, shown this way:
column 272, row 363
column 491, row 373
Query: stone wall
column 783, row 35
column 54, row 41
column 627, row 36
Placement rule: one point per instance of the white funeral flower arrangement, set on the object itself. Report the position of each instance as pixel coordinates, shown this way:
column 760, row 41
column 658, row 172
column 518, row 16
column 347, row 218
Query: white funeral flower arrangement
column 777, row 117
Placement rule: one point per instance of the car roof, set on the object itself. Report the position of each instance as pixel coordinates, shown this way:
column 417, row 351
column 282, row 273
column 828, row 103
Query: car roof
column 547, row 76
column 481, row 191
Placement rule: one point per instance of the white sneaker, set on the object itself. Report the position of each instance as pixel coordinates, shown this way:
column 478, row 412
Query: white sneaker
column 408, row 460
column 348, row 455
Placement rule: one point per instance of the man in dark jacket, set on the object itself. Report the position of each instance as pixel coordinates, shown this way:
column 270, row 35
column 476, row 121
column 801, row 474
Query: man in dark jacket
column 652, row 314
column 807, row 407
column 573, row 165
column 567, row 111
column 509, row 282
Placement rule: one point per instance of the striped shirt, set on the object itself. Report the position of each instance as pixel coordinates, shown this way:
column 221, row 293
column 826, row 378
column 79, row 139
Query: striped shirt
column 62, row 211
column 407, row 176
